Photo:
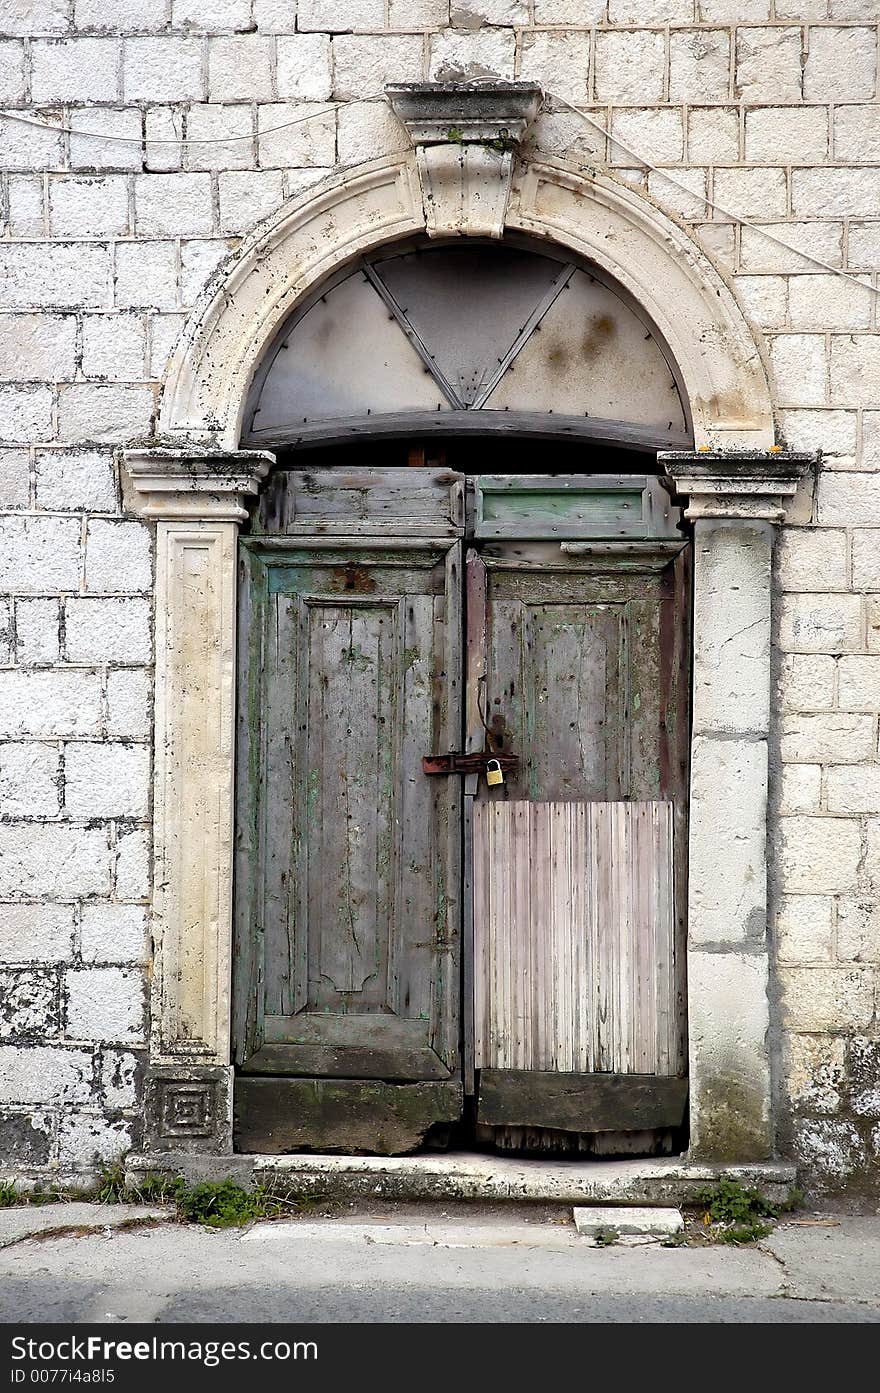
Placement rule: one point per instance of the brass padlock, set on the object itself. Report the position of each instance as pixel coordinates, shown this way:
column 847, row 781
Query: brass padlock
column 494, row 773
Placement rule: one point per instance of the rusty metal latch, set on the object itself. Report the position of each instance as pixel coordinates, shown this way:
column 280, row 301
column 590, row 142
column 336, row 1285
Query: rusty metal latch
column 467, row 763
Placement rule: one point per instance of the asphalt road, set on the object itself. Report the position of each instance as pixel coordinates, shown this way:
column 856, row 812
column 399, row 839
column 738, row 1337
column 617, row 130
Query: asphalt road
column 424, row 1266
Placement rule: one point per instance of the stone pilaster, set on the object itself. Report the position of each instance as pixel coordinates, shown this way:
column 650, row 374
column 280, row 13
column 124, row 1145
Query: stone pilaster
column 734, row 502
column 197, row 499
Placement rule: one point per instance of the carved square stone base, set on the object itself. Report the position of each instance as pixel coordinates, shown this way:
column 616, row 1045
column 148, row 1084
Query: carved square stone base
column 189, row 1108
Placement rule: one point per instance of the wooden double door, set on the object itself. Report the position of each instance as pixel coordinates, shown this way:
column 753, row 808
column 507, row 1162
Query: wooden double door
column 416, row 950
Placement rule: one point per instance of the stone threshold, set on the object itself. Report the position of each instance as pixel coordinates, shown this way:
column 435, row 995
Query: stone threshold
column 667, row 1182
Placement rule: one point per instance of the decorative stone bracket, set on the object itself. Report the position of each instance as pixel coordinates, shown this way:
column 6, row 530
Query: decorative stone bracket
column 464, row 136
column 733, row 500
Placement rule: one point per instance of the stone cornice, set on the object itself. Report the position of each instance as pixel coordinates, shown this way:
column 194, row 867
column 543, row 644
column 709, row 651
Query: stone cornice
column 462, row 113
column 193, row 484
column 749, row 484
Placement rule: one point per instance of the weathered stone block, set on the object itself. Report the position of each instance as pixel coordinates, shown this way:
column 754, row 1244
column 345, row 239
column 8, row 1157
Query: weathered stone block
column 87, row 1140
column 94, row 412
column 132, row 863
column 858, row 930
column 82, row 205
column 36, row 933
column 29, row 780
column 630, row 66
column 220, row 137
column 835, row 193
column 730, row 1082
column 89, row 147
column 115, row 631
column 118, row 557
column 240, row 69
column 820, row 624
column 805, row 682
column 30, row 1008
column 727, row 888
column 247, row 198
column 812, row 559
column 75, row 70
column 804, row 929
column 48, row 861
column 363, row 64
column 830, row 1150
column 366, row 129
column 37, row 631
column 802, row 132
column 75, row 479
column 768, row 64
column 819, row 855
column 14, row 479
column 146, row 275
column 560, row 62
column 341, row 16
column 281, row 144
column 303, row 67
column 855, row 374
column 822, row 239
column 841, row 61
column 45, row 1074
column 853, row 790
column 827, row 302
column 173, row 205
column 699, row 65
column 831, row 431
column 120, row 1078
column 654, row 128
column 827, row 738
column 113, row 933
column 38, row 346
column 163, row 69
column 114, row 347
column 732, row 617
column 105, row 1004
column 827, row 999
column 25, row 1140
column 713, row 135
column 800, row 788
column 49, row 704
column 25, row 414
column 129, row 702
column 815, row 1073
column 106, row 780
column 800, row 369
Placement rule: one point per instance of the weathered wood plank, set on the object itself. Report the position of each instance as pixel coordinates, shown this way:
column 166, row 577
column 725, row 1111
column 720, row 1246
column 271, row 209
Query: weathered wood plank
column 580, row 1102
column 574, row 936
column 274, row 1116
column 394, row 1061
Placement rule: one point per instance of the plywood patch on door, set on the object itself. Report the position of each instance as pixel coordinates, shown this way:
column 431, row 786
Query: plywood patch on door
column 574, row 937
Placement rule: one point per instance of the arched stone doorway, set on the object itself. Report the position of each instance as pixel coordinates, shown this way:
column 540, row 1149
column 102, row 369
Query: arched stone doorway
column 195, row 482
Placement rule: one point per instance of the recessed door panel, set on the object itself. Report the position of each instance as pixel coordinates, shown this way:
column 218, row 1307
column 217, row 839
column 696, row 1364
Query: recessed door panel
column 350, row 856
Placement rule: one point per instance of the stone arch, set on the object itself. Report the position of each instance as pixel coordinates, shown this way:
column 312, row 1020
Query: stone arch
column 356, row 211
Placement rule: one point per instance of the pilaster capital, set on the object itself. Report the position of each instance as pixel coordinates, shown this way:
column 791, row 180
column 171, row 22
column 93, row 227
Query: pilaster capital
column 196, row 483
column 751, row 485
column 464, row 135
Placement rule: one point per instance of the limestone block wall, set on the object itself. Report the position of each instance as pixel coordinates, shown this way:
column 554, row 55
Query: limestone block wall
column 157, row 134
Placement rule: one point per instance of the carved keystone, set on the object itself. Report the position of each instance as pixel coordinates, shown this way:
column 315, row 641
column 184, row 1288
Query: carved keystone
column 464, row 134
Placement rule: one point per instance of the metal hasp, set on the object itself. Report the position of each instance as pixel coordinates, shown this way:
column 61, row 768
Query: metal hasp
column 467, row 763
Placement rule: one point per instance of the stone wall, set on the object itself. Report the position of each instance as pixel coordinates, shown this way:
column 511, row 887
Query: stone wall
column 767, row 107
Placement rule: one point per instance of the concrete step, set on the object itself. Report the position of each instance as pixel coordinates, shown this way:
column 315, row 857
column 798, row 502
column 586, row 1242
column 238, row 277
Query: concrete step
column 602, row 1224
column 667, row 1182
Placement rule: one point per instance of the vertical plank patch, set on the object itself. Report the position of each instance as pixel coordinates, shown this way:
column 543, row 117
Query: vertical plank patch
column 574, row 931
